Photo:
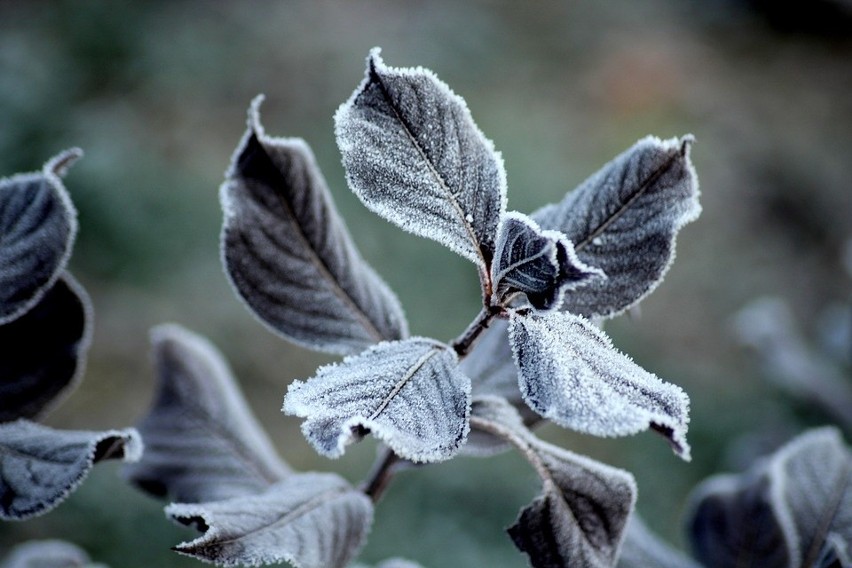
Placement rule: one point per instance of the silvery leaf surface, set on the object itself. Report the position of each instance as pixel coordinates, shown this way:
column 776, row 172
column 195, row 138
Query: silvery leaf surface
column 38, row 224
column 644, row 549
column 289, row 255
column 580, row 517
column 413, row 154
column 624, row 220
column 495, row 409
column 41, row 466
column 47, row 554
column 540, row 264
column 409, row 394
column 836, row 553
column 202, row 442
column 44, row 351
column 570, row 373
column 311, row 520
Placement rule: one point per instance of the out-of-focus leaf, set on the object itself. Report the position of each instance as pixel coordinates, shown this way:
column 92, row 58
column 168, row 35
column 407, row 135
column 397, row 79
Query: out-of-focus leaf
column 311, row 520
column 391, row 563
column 413, row 155
column 409, row 394
column 541, row 264
column 644, row 549
column 41, row 466
column 289, row 254
column 495, row 409
column 786, row 511
column 38, row 224
column 571, row 374
column 44, row 351
column 624, row 220
column 48, row 554
column 835, row 553
column 202, row 442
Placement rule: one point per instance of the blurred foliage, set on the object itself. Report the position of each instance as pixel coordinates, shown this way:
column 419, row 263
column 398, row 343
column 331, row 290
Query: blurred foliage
column 156, row 95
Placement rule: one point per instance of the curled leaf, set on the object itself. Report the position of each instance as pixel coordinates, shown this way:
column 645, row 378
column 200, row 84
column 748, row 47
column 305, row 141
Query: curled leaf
column 202, row 443
column 289, row 255
column 413, row 155
column 310, row 520
column 41, row 466
column 571, row 374
column 38, row 224
column 541, row 264
column 408, row 393
column 44, row 351
column 624, row 220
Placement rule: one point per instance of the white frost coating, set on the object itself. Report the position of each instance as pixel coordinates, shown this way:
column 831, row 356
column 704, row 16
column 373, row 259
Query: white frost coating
column 570, row 373
column 409, row 394
column 46, row 554
column 541, row 264
column 60, row 323
column 311, row 520
column 41, row 466
column 413, row 154
column 203, row 442
column 624, row 220
column 38, row 224
column 289, row 255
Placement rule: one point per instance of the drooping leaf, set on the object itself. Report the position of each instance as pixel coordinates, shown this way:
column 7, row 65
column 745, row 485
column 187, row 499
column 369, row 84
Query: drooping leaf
column 494, row 409
column 38, row 224
column 44, row 351
column 732, row 523
column 624, row 220
column 202, row 442
column 47, row 554
column 541, row 264
column 289, row 254
column 311, row 520
column 413, row 155
column 41, row 466
column 644, row 549
column 408, row 393
column 571, row 374
column 580, row 517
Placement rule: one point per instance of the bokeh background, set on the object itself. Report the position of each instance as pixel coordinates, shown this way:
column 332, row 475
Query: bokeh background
column 156, row 94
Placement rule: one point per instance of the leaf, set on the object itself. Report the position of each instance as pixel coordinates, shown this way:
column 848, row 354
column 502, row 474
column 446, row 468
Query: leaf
column 40, row 466
column 408, row 393
column 580, row 517
column 571, row 374
column 312, row 520
column 44, row 351
column 541, row 264
column 624, row 220
column 289, row 255
column 642, row 549
column 202, row 441
column 47, row 554
column 38, row 224
column 494, row 409
column 413, row 154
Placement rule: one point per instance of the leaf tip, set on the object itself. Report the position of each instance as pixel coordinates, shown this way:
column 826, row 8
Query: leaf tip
column 60, row 164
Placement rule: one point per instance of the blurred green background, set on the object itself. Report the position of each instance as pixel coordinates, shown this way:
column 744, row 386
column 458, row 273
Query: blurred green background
column 156, row 94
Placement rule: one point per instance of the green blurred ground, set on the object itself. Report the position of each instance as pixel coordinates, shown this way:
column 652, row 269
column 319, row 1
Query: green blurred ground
column 156, row 95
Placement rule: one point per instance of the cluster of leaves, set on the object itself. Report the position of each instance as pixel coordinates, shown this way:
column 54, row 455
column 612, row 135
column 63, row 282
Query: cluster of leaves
column 45, row 330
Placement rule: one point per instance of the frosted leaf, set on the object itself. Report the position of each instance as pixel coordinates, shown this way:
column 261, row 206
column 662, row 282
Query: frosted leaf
column 41, row 466
column 47, row 554
column 44, row 351
column 837, row 552
column 580, row 517
column 38, row 224
column 289, row 255
column 391, row 563
column 413, row 155
column 541, row 264
column 202, row 442
column 644, row 549
column 624, row 220
column 311, row 520
column 495, row 409
column 786, row 511
column 408, row 394
column 572, row 375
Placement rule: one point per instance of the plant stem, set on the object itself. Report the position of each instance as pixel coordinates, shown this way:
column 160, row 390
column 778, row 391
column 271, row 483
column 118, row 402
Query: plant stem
column 464, row 342
column 380, row 476
column 516, row 439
